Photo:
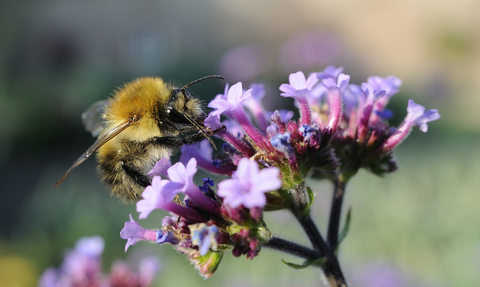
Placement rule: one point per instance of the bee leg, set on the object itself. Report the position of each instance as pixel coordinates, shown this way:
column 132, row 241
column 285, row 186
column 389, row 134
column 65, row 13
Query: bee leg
column 177, row 142
column 170, row 142
column 191, row 139
column 136, row 176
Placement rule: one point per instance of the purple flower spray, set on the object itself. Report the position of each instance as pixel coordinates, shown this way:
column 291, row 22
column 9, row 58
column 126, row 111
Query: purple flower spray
column 267, row 158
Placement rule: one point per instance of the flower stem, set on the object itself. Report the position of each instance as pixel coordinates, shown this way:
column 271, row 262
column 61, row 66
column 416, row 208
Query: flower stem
column 335, row 213
column 305, row 113
column 332, row 269
column 292, row 248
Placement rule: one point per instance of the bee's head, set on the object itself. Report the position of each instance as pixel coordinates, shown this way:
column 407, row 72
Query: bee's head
column 182, row 109
column 184, row 112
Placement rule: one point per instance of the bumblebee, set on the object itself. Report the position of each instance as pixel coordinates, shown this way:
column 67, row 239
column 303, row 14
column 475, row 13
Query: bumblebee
column 145, row 120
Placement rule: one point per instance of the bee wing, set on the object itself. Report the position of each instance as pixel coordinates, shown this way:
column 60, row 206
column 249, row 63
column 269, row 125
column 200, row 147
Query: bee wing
column 92, row 118
column 98, row 143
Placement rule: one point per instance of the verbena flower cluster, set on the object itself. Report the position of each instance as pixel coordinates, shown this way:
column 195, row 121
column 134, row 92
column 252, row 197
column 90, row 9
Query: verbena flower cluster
column 266, row 159
column 82, row 267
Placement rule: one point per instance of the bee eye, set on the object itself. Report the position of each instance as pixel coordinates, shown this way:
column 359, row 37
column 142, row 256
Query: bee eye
column 176, row 117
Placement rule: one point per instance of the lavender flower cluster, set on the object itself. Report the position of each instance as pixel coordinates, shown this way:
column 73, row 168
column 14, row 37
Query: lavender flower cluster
column 82, row 267
column 267, row 158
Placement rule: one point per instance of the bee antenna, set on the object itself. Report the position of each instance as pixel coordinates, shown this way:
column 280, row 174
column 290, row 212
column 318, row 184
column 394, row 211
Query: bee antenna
column 200, row 80
column 200, row 128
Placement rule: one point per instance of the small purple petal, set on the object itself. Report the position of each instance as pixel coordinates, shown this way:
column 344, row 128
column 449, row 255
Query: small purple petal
column 298, row 85
column 48, row 278
column 417, row 114
column 272, row 130
column 282, row 142
column 286, row 115
column 152, row 198
column 148, row 267
column 390, row 84
column 248, row 185
column 329, row 72
column 213, row 121
column 307, row 131
column 133, row 232
column 160, row 167
column 235, row 97
column 166, row 237
column 342, row 81
column 90, row 246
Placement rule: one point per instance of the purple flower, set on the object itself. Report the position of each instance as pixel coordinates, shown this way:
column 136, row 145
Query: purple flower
column 166, row 237
column 298, row 86
column 390, row 84
column 417, row 116
column 307, row 131
column 248, row 185
column 181, row 177
column 81, row 266
column 148, row 267
column 282, row 142
column 203, row 236
column 153, row 199
column 329, row 72
column 335, row 90
column 90, row 246
column 212, row 121
column 202, row 152
column 254, row 104
column 233, row 100
column 232, row 135
column 123, row 275
column 205, row 188
column 272, row 130
column 133, row 232
column 160, row 167
column 231, row 105
column 341, row 83
column 286, row 115
column 298, row 89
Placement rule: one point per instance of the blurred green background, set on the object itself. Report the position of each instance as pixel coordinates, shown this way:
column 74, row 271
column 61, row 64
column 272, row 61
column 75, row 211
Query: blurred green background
column 419, row 225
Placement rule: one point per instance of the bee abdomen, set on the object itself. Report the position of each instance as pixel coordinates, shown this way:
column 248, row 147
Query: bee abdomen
column 124, row 170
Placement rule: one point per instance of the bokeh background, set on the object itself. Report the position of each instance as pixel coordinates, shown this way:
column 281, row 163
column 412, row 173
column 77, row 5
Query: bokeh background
column 419, row 226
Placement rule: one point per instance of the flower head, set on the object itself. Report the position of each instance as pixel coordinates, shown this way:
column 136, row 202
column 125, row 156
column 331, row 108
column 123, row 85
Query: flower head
column 133, row 232
column 248, row 185
column 416, row 116
column 298, row 85
column 231, row 101
column 82, row 267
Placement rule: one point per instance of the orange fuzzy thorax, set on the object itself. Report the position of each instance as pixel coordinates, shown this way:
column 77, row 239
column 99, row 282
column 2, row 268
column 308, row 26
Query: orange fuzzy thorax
column 139, row 99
